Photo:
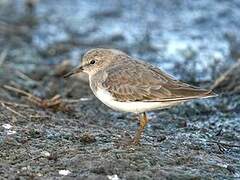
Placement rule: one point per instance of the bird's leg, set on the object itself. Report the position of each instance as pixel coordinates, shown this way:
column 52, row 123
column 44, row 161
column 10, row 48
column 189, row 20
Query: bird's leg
column 143, row 122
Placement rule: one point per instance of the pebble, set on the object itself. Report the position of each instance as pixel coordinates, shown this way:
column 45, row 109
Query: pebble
column 7, row 126
column 45, row 153
column 64, row 172
column 113, row 177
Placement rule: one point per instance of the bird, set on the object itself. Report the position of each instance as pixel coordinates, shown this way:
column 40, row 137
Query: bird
column 128, row 84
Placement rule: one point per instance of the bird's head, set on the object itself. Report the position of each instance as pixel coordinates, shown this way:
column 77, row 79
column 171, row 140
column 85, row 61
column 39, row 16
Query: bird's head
column 95, row 60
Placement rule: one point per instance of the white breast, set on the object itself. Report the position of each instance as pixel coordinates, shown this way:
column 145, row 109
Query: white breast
column 136, row 107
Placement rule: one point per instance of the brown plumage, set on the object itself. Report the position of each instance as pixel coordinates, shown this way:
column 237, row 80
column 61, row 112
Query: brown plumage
column 129, row 81
column 127, row 84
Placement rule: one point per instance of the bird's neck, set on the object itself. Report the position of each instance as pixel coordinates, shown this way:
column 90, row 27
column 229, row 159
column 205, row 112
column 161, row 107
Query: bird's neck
column 96, row 79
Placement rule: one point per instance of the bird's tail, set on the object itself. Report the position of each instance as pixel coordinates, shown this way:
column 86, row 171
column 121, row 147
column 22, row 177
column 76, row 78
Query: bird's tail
column 196, row 94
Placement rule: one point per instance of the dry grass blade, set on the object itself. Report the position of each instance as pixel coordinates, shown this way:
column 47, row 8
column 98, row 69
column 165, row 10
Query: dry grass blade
column 55, row 103
column 13, row 104
column 30, row 96
column 11, row 110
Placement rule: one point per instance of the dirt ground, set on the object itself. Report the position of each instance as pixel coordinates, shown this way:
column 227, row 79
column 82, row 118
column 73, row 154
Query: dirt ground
column 52, row 128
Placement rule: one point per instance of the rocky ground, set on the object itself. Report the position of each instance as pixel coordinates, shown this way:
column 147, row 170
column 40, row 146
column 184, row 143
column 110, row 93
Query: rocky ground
column 51, row 128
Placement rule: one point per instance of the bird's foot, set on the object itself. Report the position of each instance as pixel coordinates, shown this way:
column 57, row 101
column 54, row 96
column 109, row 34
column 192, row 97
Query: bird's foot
column 136, row 141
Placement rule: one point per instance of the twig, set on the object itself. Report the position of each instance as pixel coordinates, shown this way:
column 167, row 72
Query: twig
column 30, row 96
column 54, row 103
column 13, row 104
column 10, row 109
column 39, row 117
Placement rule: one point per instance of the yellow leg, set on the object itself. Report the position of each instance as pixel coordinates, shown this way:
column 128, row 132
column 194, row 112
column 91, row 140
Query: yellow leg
column 143, row 122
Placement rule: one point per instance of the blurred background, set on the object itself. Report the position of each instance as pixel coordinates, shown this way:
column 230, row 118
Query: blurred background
column 195, row 40
column 40, row 40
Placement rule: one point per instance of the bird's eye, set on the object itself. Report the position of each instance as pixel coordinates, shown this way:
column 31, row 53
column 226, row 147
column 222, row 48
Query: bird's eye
column 92, row 62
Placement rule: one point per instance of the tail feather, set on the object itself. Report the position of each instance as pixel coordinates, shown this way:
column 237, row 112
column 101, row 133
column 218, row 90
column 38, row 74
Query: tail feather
column 200, row 94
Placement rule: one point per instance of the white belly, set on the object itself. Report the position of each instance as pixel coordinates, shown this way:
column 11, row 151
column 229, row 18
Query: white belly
column 135, row 107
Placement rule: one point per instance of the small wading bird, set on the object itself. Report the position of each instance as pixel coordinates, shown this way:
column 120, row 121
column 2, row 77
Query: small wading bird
column 127, row 84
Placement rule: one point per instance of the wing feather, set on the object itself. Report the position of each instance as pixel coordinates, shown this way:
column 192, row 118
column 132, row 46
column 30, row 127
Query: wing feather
column 138, row 81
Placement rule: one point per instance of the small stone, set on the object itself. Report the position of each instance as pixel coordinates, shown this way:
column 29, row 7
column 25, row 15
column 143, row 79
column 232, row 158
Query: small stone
column 45, row 153
column 39, row 174
column 161, row 138
column 87, row 138
column 7, row 126
column 25, row 168
column 231, row 169
column 53, row 157
column 10, row 132
column 113, row 177
column 64, row 172
column 182, row 123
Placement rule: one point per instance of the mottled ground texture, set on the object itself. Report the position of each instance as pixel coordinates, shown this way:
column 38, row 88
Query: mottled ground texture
column 74, row 135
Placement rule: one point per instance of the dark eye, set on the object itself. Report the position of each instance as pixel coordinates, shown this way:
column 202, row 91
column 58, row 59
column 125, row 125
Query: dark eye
column 92, row 62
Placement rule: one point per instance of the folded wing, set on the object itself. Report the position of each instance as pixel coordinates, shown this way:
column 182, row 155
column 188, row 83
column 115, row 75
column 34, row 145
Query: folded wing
column 139, row 81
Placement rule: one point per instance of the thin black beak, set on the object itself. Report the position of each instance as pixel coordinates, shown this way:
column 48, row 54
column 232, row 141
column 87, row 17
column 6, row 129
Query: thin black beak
column 74, row 71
